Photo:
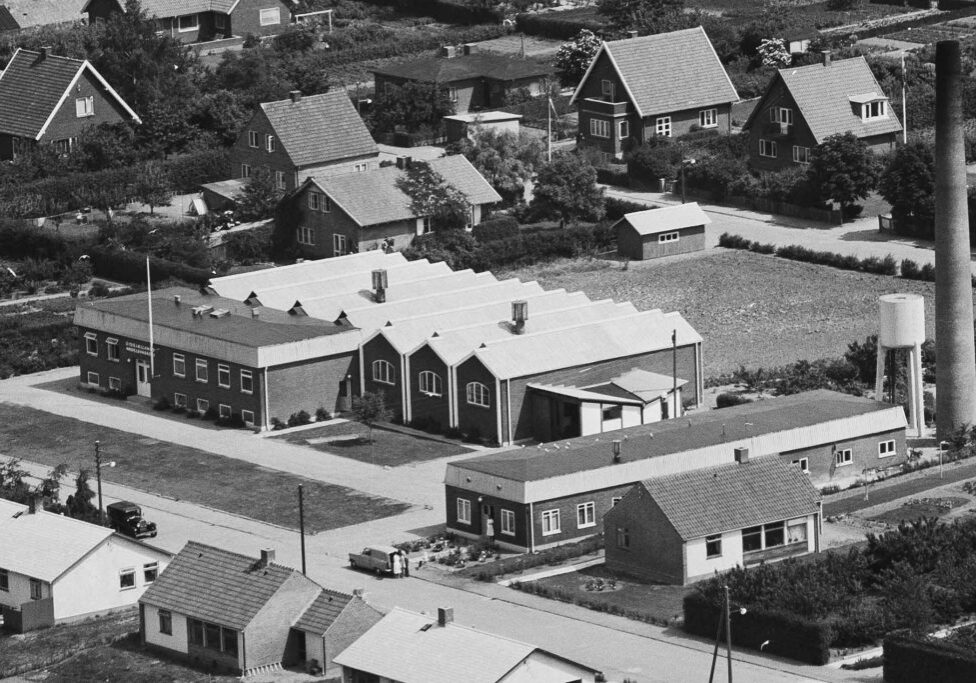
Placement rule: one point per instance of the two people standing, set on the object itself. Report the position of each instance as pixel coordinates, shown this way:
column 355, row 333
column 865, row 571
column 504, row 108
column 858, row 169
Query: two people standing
column 400, row 565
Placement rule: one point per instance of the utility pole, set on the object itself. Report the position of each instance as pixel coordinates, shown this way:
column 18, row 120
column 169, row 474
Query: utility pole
column 904, row 109
column 674, row 372
column 301, row 524
column 728, row 631
column 98, row 477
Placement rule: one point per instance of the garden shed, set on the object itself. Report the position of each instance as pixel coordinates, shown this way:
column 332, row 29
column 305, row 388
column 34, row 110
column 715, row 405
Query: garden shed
column 661, row 232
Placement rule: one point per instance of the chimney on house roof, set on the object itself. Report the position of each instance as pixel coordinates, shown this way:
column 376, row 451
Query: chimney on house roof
column 631, row 34
column 45, row 51
column 34, row 503
column 295, row 95
column 358, row 593
column 267, row 557
column 380, row 284
column 520, row 313
column 741, row 455
column 616, row 450
column 826, row 57
column 403, row 163
column 177, row 299
column 445, row 615
column 448, row 51
column 255, row 312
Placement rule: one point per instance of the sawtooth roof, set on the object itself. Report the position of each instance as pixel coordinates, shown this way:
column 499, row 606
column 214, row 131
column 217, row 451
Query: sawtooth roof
column 465, row 67
column 654, row 221
column 320, row 128
column 730, row 497
column 372, row 197
column 668, row 72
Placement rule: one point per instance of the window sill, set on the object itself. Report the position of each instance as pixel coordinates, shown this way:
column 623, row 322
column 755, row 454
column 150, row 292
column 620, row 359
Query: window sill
column 246, row 392
column 710, row 125
column 202, row 381
column 508, row 533
column 886, row 455
column 478, row 405
column 223, row 386
column 551, row 533
column 389, row 384
column 586, row 526
column 461, row 521
column 179, row 376
column 844, row 464
column 719, row 557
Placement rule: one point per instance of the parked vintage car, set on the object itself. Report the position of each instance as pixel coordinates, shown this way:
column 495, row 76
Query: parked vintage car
column 126, row 518
column 374, row 558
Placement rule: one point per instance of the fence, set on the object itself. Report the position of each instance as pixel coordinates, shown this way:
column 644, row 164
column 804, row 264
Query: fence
column 30, row 616
column 831, row 216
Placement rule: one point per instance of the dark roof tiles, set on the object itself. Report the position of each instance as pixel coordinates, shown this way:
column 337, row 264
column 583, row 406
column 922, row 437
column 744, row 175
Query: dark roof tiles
column 323, row 612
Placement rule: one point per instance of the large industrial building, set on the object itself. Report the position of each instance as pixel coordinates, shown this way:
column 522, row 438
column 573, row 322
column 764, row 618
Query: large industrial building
column 530, row 498
column 459, row 349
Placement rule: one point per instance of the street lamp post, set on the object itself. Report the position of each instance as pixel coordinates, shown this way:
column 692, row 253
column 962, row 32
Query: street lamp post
column 942, row 447
column 98, row 478
column 725, row 619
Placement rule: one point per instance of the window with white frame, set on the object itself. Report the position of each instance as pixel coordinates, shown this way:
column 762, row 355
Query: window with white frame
column 127, row 579
column 245, row 170
column 781, row 115
column 477, row 394
column 93, row 378
column 179, row 400
column 425, row 225
column 112, row 349
column 84, row 107
column 280, row 180
column 767, row 148
column 752, row 539
column 608, row 89
column 874, row 110
column 223, row 375
column 464, row 511
column 665, row 237
column 4, row 581
column 623, row 537
column 269, row 143
column 223, row 410
column 599, row 128
column 585, row 515
column 774, row 534
column 886, row 449
column 203, row 405
column 313, row 200
column 166, row 622
column 252, row 139
column 305, row 235
column 179, row 365
column 270, row 16
column 35, row 589
column 508, row 522
column 844, row 456
column 150, row 571
column 91, row 343
column 662, row 126
column 64, row 146
column 615, row 500
column 801, row 155
column 803, row 464
column 452, row 94
column 115, row 384
column 203, row 370
column 188, row 22
column 623, row 129
column 340, row 245
column 713, row 546
column 247, row 382
column 361, row 168
column 796, row 531
column 708, row 118
column 383, row 372
column 550, row 522
column 430, row 383
column 247, row 416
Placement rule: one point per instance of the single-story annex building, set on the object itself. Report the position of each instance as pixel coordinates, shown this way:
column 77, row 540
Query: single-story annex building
column 541, row 496
column 680, row 528
column 660, row 232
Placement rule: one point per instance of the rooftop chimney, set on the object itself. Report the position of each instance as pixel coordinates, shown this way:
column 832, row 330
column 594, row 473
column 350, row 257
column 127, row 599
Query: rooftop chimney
column 520, row 313
column 631, row 34
column 45, row 51
column 177, row 299
column 255, row 312
column 445, row 615
column 267, row 556
column 448, row 51
column 403, row 163
column 741, row 455
column 826, row 57
column 358, row 593
column 295, row 95
column 379, row 285
column 34, row 503
column 616, row 450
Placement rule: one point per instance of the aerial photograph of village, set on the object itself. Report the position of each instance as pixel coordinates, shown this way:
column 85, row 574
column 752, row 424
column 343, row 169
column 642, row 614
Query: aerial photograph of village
column 487, row 341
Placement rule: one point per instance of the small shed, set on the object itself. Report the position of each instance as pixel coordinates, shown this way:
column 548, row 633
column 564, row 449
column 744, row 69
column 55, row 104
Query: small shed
column 223, row 194
column 460, row 126
column 661, row 232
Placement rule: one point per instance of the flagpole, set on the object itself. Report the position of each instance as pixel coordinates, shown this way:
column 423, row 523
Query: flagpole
column 904, row 110
column 549, row 130
column 152, row 363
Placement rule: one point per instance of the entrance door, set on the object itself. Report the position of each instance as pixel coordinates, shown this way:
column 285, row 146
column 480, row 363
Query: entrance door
column 142, row 378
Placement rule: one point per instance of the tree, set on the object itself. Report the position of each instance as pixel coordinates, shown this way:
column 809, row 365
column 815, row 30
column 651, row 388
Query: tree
column 908, row 183
column 567, row 189
column 507, row 161
column 260, row 196
column 13, row 482
column 644, row 16
column 152, row 185
column 79, row 504
column 772, row 52
column 431, row 195
column 573, row 58
column 369, row 409
column 414, row 105
column 843, row 169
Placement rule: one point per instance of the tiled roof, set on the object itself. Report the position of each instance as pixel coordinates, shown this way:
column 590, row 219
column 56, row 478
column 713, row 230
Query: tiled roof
column 730, row 497
column 669, row 72
column 31, row 88
column 372, row 197
column 690, row 432
column 7, row 21
column 216, row 585
column 654, row 221
column 44, row 12
column 323, row 612
column 823, row 96
column 320, row 128
column 175, row 8
column 478, row 65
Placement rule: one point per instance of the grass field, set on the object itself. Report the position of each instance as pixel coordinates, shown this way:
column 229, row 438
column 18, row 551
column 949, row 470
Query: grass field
column 752, row 310
column 185, row 473
column 925, row 508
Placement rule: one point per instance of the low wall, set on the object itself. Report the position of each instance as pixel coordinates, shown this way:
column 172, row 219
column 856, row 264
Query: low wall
column 31, row 616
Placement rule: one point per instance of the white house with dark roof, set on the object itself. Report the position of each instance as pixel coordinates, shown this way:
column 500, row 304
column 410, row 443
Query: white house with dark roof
column 339, row 214
column 662, row 85
column 684, row 527
column 803, row 106
column 55, row 569
column 232, row 612
column 304, row 136
column 408, row 647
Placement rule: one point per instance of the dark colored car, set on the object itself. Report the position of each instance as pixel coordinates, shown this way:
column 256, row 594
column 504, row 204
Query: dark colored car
column 126, row 518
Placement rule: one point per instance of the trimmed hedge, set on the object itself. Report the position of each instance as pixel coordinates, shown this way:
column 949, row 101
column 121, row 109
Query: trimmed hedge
column 130, row 266
column 563, row 25
column 919, row 659
column 794, row 252
column 788, row 635
column 613, row 175
column 497, row 228
column 616, row 208
column 445, row 10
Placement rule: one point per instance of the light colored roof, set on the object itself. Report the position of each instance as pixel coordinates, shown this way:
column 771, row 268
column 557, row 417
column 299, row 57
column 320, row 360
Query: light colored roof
column 230, row 189
column 646, row 385
column 823, row 95
column 484, row 117
column 44, row 545
column 593, row 342
column 583, row 394
column 372, row 197
column 412, row 648
column 654, row 221
column 44, row 12
column 320, row 128
column 668, row 72
column 731, row 497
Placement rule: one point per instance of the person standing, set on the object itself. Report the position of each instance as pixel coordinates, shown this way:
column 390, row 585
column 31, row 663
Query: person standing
column 406, row 565
column 396, row 565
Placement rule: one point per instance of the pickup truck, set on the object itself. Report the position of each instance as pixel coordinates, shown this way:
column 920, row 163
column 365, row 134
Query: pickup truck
column 126, row 518
column 374, row 558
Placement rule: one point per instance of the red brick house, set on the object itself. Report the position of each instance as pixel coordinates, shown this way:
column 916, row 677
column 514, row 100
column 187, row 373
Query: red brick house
column 195, row 21
column 663, row 85
column 52, row 99
column 803, row 106
column 356, row 212
column 301, row 137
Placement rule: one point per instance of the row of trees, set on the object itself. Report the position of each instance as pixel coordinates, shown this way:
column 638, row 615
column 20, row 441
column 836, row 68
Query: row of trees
column 14, row 485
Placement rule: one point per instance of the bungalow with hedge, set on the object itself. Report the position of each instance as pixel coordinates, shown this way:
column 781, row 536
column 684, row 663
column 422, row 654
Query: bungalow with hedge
column 805, row 105
column 683, row 527
column 663, row 85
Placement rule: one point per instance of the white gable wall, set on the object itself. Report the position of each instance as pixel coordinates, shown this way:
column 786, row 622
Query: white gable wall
column 540, row 667
column 177, row 641
column 19, row 592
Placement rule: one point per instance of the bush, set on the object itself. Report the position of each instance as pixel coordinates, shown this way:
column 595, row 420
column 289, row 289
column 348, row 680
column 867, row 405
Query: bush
column 299, row 418
column 727, row 400
column 909, row 269
column 652, row 161
column 211, row 414
column 321, row 414
column 613, row 175
column 616, row 208
column 130, row 266
column 162, row 404
column 447, row 11
column 910, row 658
column 496, row 228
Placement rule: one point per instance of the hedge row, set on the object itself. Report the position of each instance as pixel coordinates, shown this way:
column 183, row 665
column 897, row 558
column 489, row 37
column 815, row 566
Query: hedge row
column 497, row 228
column 562, row 25
column 409, row 45
column 912, row 658
column 777, row 633
column 617, row 208
column 613, row 175
column 445, row 10
column 130, row 266
column 550, row 556
column 873, row 264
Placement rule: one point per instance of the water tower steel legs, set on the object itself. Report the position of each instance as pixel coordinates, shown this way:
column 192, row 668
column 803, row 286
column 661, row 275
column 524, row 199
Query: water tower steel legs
column 955, row 348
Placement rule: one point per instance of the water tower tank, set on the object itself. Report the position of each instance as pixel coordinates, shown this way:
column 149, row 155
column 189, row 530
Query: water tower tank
column 902, row 322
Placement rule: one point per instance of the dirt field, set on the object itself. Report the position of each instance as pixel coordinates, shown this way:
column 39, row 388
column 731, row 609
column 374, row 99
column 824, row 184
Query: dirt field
column 752, row 310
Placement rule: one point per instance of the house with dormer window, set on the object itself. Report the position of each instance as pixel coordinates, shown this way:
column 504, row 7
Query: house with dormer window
column 805, row 105
column 665, row 85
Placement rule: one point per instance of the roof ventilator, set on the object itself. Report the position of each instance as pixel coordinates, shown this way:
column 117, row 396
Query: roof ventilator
column 219, row 313
column 520, row 313
column 380, row 284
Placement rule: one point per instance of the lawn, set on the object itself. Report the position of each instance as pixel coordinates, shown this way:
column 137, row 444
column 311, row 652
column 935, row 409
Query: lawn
column 916, row 509
column 390, row 448
column 185, row 473
column 752, row 310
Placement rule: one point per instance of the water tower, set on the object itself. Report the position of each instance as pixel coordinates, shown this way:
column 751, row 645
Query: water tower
column 902, row 326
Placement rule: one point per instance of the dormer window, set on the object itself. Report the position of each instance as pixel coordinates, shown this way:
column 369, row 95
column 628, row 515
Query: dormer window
column 874, row 110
